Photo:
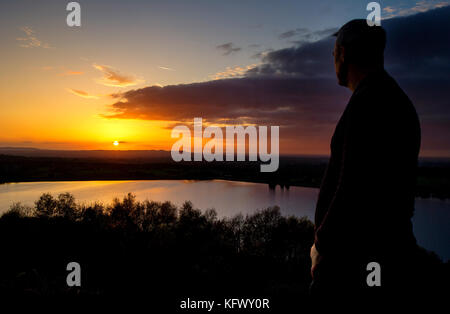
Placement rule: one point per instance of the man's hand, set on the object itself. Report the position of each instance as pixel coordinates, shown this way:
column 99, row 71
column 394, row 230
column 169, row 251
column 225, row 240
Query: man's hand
column 315, row 258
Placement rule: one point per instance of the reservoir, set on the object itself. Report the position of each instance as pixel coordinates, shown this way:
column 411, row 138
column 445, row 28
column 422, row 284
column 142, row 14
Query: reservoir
column 229, row 198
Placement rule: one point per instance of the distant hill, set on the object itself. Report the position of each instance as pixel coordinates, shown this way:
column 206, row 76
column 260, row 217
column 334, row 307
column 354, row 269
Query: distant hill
column 31, row 164
column 104, row 154
column 161, row 155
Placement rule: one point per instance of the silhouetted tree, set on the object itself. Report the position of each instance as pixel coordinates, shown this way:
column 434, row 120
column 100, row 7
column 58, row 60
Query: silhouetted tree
column 46, row 205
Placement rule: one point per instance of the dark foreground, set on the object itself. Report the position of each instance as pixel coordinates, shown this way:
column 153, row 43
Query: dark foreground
column 156, row 254
column 153, row 252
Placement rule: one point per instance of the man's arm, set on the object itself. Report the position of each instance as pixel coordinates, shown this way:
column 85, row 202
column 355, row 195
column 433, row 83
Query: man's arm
column 355, row 175
column 315, row 259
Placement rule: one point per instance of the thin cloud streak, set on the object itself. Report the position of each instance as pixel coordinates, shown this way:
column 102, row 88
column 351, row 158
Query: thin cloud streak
column 419, row 7
column 113, row 77
column 81, row 93
column 71, row 73
column 31, row 40
column 166, row 68
column 233, row 72
column 228, row 48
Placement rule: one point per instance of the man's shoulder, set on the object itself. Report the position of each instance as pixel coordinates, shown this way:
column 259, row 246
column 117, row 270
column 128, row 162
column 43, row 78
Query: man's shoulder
column 381, row 103
column 379, row 93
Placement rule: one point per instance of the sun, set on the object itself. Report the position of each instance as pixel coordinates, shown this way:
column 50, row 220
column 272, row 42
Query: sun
column 116, row 143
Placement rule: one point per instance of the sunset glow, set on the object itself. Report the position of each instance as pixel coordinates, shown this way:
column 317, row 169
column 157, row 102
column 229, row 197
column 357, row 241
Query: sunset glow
column 128, row 82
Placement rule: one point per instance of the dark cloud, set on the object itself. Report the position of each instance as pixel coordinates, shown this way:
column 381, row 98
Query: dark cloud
column 417, row 55
column 293, row 32
column 287, row 34
column 311, row 57
column 312, row 60
column 261, row 54
column 304, row 35
column 418, row 45
column 305, row 109
column 296, row 88
column 252, row 100
column 228, row 48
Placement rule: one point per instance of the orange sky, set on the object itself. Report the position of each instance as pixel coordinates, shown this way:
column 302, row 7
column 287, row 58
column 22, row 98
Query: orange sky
column 51, row 99
column 56, row 82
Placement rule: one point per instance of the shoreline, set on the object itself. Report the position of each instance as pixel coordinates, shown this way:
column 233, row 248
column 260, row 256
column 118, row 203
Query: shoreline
column 433, row 178
column 417, row 196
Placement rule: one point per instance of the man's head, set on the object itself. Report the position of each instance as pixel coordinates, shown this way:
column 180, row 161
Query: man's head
column 358, row 47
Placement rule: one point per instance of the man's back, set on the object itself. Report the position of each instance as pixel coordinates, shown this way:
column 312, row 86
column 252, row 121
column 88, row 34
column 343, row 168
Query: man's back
column 366, row 200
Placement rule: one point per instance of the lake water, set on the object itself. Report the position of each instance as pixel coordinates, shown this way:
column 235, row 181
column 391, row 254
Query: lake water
column 431, row 219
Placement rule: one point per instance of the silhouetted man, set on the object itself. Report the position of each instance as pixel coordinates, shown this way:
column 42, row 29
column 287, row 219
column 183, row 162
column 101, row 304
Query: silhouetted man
column 366, row 200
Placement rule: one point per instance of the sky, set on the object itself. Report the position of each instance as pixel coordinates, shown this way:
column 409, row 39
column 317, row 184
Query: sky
column 134, row 69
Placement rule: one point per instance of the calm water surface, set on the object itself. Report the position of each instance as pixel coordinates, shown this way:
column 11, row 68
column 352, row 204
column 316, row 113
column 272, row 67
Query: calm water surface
column 431, row 219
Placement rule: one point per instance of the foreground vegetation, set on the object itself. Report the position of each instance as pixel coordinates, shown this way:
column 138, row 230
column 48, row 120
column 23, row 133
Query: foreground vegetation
column 153, row 250
column 159, row 254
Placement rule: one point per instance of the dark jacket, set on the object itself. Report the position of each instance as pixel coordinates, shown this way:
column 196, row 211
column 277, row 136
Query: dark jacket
column 366, row 200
